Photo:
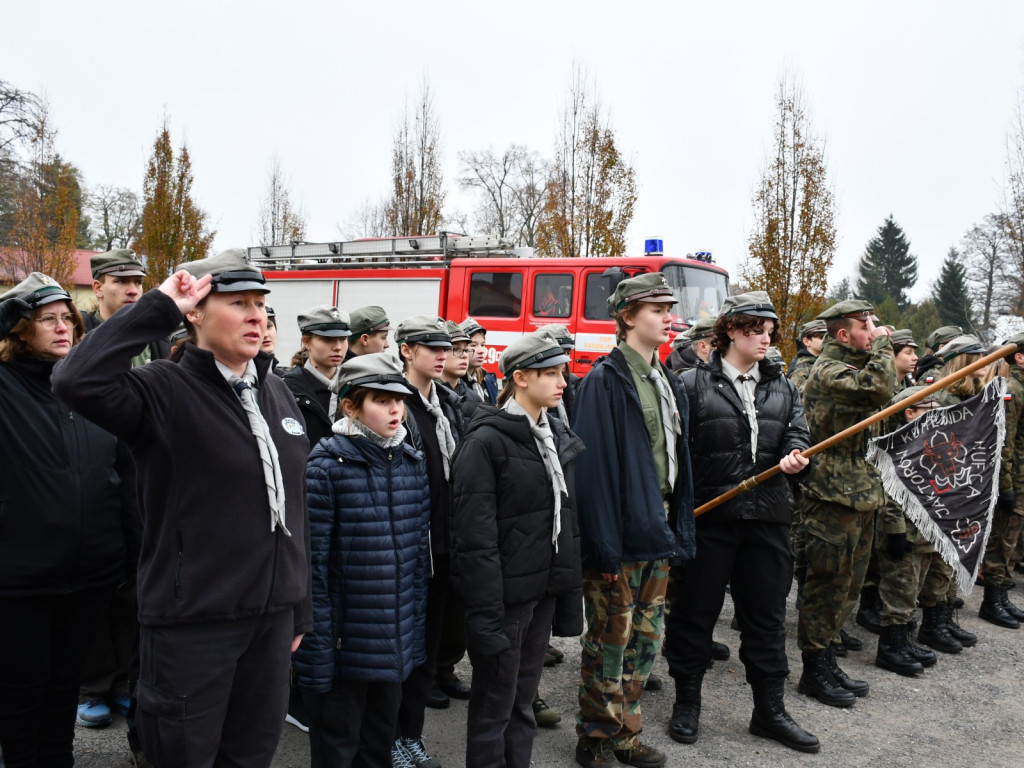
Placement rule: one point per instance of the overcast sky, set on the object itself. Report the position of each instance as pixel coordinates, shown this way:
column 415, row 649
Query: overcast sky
column 913, row 99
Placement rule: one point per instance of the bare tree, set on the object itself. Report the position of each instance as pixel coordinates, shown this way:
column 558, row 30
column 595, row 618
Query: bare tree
column 494, row 177
column 417, row 196
column 369, row 220
column 985, row 249
column 116, row 215
column 794, row 239
column 280, row 221
column 1012, row 215
column 531, row 191
column 21, row 114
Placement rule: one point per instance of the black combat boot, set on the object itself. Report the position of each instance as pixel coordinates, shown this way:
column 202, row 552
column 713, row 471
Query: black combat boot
column 817, row 681
column 993, row 610
column 935, row 633
column 965, row 638
column 894, row 654
column 869, row 614
column 770, row 720
column 858, row 688
column 684, row 725
column 923, row 655
column 850, row 642
column 1011, row 609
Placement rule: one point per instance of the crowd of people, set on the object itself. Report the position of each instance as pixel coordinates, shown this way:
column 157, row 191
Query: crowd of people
column 210, row 543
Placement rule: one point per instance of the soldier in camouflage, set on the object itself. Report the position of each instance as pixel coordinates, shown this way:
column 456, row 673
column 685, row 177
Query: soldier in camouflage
column 812, row 337
column 852, row 378
column 1008, row 521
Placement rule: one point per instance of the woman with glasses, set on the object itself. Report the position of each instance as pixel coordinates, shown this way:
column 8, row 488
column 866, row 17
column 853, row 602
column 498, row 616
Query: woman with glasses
column 67, row 514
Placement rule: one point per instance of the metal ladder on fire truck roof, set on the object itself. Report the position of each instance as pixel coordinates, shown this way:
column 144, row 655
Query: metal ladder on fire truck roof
column 429, row 251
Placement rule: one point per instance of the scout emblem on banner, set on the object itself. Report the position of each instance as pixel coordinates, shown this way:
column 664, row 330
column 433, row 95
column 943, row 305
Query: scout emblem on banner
column 943, row 471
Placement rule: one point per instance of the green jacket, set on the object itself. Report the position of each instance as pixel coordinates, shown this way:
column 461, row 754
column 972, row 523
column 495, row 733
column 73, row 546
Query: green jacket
column 1011, row 471
column 800, row 369
column 845, row 386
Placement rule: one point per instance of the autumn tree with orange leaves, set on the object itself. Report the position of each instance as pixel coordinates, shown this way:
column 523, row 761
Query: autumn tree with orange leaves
column 173, row 226
column 591, row 189
column 793, row 242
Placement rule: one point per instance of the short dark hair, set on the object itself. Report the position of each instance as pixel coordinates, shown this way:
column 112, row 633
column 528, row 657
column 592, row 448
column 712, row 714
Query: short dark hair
column 835, row 324
column 744, row 323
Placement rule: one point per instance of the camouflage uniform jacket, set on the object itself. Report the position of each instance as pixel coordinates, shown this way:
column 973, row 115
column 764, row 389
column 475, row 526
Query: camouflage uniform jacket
column 845, row 386
column 1011, row 471
column 800, row 368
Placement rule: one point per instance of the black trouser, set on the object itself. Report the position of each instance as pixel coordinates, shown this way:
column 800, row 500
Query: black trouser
column 41, row 657
column 112, row 661
column 500, row 727
column 353, row 724
column 214, row 694
column 453, row 637
column 417, row 687
column 757, row 559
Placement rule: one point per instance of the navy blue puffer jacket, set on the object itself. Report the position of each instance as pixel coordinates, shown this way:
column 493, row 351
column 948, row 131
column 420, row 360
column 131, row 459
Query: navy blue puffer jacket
column 369, row 519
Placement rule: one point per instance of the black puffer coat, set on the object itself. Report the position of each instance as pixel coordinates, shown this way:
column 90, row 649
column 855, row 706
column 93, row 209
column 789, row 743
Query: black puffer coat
column 720, row 441
column 502, row 524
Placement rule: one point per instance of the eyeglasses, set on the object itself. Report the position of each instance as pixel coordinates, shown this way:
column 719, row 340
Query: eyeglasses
column 458, row 351
column 50, row 321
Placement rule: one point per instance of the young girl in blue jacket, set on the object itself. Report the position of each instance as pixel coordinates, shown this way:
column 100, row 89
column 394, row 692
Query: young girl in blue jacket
column 369, row 513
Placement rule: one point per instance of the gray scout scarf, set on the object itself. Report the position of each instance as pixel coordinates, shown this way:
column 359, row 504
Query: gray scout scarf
column 244, row 387
column 545, row 440
column 670, row 420
column 445, row 439
column 331, row 384
column 355, row 428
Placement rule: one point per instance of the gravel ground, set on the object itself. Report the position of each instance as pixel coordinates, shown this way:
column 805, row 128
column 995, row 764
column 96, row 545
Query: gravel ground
column 965, row 711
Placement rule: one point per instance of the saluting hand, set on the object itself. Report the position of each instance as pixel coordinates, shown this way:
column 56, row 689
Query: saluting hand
column 185, row 290
column 793, row 462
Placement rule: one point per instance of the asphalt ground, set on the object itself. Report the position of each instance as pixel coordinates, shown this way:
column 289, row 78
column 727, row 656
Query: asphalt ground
column 968, row 710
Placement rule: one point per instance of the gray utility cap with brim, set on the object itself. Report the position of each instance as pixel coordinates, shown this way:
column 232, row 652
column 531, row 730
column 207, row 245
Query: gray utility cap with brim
column 812, row 328
column 471, row 326
column 121, row 262
column 753, row 303
column 1017, row 338
column 428, row 330
column 378, row 370
column 456, row 333
column 702, row 329
column 903, row 337
column 369, row 320
column 942, row 335
column 558, row 332
column 857, row 309
column 325, row 320
column 532, row 351
column 905, row 393
column 37, row 290
column 651, row 287
column 231, row 272
column 962, row 345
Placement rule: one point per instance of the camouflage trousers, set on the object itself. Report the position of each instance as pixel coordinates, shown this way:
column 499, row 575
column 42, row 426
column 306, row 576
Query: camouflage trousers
column 837, row 543
column 999, row 559
column 624, row 626
column 900, row 580
column 938, row 585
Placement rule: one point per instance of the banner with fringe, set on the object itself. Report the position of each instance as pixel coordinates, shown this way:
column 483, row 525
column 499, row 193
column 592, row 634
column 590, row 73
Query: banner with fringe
column 943, row 471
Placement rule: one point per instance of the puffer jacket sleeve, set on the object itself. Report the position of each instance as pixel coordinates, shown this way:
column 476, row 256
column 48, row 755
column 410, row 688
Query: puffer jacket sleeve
column 424, row 567
column 599, row 495
column 315, row 660
column 476, row 561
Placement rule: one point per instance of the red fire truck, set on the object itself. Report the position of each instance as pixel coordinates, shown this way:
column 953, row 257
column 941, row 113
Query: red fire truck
column 507, row 290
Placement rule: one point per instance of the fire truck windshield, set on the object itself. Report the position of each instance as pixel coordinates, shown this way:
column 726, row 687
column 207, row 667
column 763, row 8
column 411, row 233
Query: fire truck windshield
column 700, row 293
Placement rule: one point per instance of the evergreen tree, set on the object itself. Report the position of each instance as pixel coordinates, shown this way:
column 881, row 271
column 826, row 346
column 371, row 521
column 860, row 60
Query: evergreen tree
column 887, row 267
column 950, row 294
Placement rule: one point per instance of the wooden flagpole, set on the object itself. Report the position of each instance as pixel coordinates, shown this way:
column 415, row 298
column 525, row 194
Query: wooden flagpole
column 752, row 482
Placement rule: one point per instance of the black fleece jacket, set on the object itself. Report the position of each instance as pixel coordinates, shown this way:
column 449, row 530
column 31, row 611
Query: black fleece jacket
column 208, row 553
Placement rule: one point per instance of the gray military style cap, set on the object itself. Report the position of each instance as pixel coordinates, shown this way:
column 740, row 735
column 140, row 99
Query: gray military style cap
column 325, row 320
column 905, row 393
column 754, row 303
column 121, row 262
column 532, row 351
column 651, row 287
column 455, row 332
column 369, row 320
column 558, row 332
column 812, row 328
column 1017, row 338
column 471, row 326
column 429, row 330
column 854, row 308
column 942, row 335
column 231, row 272
column 702, row 329
column 378, row 370
column 37, row 290
column 962, row 345
column 903, row 337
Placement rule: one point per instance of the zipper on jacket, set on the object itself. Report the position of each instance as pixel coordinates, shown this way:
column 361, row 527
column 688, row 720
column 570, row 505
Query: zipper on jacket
column 177, row 567
column 394, row 547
